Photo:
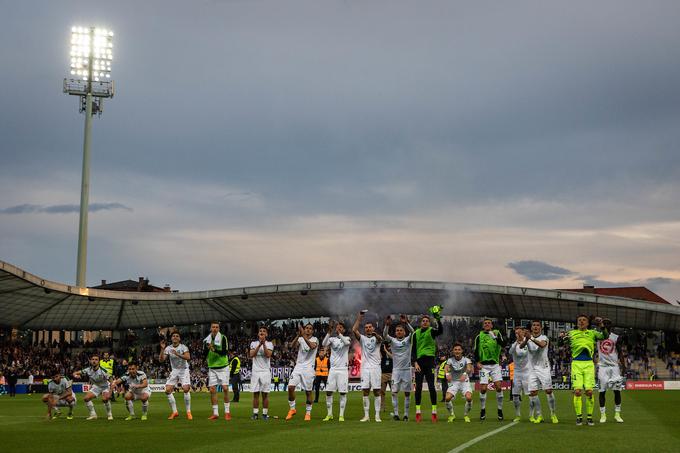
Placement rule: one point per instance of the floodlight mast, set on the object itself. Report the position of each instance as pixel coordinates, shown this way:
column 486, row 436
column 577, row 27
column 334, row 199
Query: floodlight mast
column 86, row 44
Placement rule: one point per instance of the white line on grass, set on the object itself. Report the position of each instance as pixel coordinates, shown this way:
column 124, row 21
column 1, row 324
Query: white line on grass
column 471, row 442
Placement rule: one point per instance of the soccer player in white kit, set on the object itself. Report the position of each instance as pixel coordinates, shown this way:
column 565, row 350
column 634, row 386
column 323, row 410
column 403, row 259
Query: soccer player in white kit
column 138, row 389
column 609, row 375
column 371, row 372
column 458, row 371
column 179, row 362
column 303, row 372
column 402, row 374
column 59, row 393
column 99, row 385
column 260, row 352
column 539, row 373
column 338, row 375
column 520, row 382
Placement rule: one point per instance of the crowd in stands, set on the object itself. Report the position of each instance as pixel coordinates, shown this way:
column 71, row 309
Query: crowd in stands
column 21, row 359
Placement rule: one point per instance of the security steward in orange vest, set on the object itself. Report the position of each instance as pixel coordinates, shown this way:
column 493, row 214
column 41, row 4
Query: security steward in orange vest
column 321, row 373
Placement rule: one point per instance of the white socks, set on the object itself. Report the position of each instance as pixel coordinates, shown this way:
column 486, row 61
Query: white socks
column 107, row 405
column 226, row 408
column 187, row 401
column 308, row 408
column 367, row 404
column 407, row 405
column 173, row 403
column 90, row 407
column 395, row 404
column 499, row 400
column 517, row 403
column 291, row 404
column 145, row 407
column 537, row 405
column 215, row 411
column 376, row 406
column 468, row 406
column 329, row 404
column 130, row 408
column 482, row 400
column 551, row 403
column 343, row 403
column 449, row 406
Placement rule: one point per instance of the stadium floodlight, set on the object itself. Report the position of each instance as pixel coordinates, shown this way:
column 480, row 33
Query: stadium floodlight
column 91, row 55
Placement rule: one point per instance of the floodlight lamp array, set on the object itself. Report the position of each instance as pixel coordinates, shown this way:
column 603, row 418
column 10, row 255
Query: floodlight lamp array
column 91, row 53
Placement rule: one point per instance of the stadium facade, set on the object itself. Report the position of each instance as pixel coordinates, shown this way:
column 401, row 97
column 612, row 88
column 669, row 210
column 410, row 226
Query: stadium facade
column 31, row 302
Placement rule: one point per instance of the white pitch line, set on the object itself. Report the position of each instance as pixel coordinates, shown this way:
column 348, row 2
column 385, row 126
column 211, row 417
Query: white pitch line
column 471, row 442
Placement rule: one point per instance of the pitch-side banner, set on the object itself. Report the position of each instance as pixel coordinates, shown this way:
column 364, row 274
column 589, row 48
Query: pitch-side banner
column 645, row 385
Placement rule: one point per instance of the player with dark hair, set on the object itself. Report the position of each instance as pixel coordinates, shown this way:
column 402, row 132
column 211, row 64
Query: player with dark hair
column 216, row 347
column 423, row 352
column 303, row 373
column 401, row 363
column 260, row 352
column 582, row 342
column 138, row 389
column 59, row 393
column 611, row 367
column 488, row 346
column 338, row 376
column 99, row 380
column 458, row 371
column 539, row 371
column 371, row 372
column 179, row 357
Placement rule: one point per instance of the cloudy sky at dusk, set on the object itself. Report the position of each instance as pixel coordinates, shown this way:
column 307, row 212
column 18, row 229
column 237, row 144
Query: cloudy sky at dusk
column 253, row 141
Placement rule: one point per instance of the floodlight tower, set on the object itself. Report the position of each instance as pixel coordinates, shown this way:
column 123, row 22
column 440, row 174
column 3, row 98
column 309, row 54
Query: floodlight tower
column 91, row 55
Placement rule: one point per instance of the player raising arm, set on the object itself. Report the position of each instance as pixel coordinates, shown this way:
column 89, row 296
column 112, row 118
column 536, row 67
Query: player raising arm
column 179, row 361
column 423, row 351
column 99, row 385
column 611, row 367
column 303, row 372
column 138, row 389
column 260, row 352
column 59, row 393
column 520, row 383
column 338, row 377
column 400, row 345
column 582, row 342
column 539, row 373
column 370, row 365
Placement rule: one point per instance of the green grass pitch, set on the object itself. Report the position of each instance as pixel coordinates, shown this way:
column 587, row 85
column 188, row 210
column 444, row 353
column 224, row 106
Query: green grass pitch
column 652, row 423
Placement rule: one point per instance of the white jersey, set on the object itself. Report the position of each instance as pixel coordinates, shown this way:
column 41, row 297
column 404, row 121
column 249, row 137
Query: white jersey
column 607, row 353
column 60, row 388
column 370, row 352
column 98, row 377
column 401, row 349
column 306, row 355
column 538, row 357
column 458, row 367
column 520, row 357
column 136, row 380
column 261, row 363
column 339, row 350
column 177, row 363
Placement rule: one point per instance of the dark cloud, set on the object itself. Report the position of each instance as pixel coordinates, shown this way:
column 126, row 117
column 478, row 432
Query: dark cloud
column 61, row 208
column 539, row 270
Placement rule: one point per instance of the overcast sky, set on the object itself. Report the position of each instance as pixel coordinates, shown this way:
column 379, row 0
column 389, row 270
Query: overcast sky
column 252, row 142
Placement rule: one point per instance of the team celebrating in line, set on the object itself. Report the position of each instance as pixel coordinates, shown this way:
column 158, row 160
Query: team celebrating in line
column 411, row 350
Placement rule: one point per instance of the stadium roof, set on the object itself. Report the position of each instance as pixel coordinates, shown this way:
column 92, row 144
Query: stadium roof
column 30, row 302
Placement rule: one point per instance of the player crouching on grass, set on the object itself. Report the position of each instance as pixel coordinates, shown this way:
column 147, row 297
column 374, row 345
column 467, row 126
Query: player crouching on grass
column 59, row 393
column 99, row 385
column 582, row 342
column 458, row 371
column 303, row 373
column 179, row 361
column 138, row 389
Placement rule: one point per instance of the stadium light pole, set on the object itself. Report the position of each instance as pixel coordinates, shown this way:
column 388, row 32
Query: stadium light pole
column 91, row 55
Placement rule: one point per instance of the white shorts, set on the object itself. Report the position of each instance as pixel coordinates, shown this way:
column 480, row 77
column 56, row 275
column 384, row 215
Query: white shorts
column 63, row 402
column 540, row 379
column 609, row 377
column 179, row 376
column 490, row 373
column 302, row 378
column 520, row 384
column 370, row 378
column 138, row 395
column 401, row 381
column 458, row 386
column 338, row 381
column 97, row 390
column 260, row 381
column 218, row 376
